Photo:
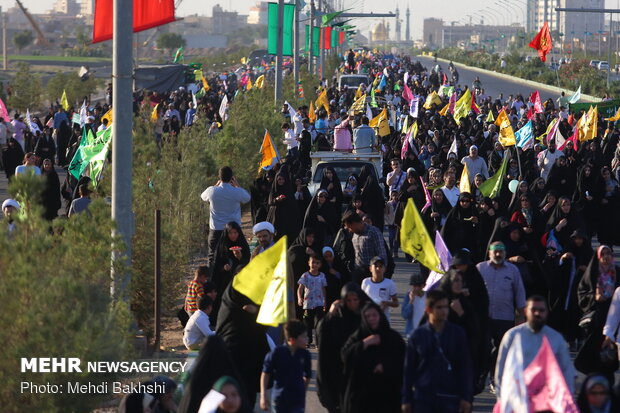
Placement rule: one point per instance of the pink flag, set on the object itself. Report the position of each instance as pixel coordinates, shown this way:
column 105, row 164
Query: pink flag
column 535, row 99
column 427, row 195
column 407, row 93
column 4, row 114
column 404, row 148
column 452, row 102
column 546, row 385
column 574, row 138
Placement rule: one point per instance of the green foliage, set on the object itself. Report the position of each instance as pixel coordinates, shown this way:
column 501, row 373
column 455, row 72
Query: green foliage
column 55, row 294
column 171, row 182
column 170, row 41
column 26, row 89
column 75, row 87
column 23, row 39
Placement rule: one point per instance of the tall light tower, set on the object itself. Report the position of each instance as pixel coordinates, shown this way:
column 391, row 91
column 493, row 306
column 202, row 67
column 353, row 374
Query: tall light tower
column 407, row 14
column 397, row 26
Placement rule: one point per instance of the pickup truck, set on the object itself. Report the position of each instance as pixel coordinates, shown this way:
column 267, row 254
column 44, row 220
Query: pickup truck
column 345, row 164
column 352, row 81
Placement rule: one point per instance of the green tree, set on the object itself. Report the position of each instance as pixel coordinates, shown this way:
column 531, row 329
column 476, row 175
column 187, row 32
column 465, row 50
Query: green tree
column 23, row 39
column 75, row 87
column 81, row 37
column 55, row 294
column 170, row 41
column 26, row 89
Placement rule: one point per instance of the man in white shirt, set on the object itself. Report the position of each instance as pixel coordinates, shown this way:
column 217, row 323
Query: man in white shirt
column 546, row 159
column 198, row 326
column 225, row 199
column 475, row 164
column 450, row 190
column 396, row 178
column 291, row 142
column 381, row 290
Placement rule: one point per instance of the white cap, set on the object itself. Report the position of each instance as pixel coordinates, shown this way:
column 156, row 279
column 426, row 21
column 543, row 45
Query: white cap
column 10, row 202
column 262, row 226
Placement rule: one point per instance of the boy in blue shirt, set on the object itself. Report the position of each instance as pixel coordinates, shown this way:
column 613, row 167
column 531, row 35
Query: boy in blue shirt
column 290, row 366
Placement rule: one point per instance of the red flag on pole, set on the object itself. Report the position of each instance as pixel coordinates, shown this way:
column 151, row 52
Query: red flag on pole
column 146, row 15
column 327, row 38
column 341, row 37
column 542, row 42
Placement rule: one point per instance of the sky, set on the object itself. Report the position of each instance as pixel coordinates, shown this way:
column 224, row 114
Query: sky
column 494, row 11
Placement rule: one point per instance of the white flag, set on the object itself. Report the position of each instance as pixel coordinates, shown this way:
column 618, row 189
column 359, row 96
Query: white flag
column 222, row 110
column 413, row 108
column 291, row 111
column 368, row 112
column 575, row 97
column 513, row 392
column 194, row 100
column 34, row 128
column 453, row 149
column 83, row 114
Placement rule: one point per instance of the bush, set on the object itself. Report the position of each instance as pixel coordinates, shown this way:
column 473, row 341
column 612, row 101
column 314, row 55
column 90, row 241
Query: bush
column 55, row 294
column 26, row 89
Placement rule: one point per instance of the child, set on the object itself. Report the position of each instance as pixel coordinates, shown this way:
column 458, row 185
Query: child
column 195, row 289
column 290, row 366
column 413, row 304
column 198, row 326
column 311, row 294
column 381, row 290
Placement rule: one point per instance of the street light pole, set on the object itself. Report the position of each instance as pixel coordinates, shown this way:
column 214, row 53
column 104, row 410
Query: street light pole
column 278, row 85
column 296, row 48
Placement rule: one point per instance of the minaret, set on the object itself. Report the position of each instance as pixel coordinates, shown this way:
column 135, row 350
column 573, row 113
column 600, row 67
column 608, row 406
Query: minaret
column 407, row 38
column 397, row 26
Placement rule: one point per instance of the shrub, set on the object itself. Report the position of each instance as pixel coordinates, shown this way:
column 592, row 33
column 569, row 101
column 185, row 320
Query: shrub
column 26, row 89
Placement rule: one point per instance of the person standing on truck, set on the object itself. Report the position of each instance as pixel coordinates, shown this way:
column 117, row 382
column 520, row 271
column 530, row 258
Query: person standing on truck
column 364, row 137
column 292, row 144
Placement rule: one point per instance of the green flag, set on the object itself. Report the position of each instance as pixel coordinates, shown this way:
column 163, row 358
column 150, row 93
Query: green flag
column 334, row 38
column 373, row 102
column 178, row 56
column 342, row 23
column 287, row 29
column 316, row 39
column 91, row 149
column 492, row 186
column 326, row 18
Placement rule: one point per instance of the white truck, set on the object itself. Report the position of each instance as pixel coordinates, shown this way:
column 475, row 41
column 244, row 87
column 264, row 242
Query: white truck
column 345, row 164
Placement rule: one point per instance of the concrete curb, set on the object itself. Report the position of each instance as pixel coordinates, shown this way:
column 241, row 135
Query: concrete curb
column 537, row 85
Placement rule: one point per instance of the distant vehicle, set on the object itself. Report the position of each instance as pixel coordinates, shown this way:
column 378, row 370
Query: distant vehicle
column 352, row 81
column 344, row 164
column 594, row 63
column 603, row 65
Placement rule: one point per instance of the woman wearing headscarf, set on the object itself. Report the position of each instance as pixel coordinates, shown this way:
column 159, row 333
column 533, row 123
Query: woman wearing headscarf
column 334, row 330
column 305, row 245
column 323, row 217
column 525, row 258
column 584, row 198
column 409, row 189
column 461, row 229
column 594, row 293
column 435, row 216
column 350, row 189
column 302, row 195
column 331, row 183
column 561, row 178
column 12, row 157
column 522, row 189
column 233, row 403
column 245, row 339
column 213, row 362
column 608, row 194
column 232, row 253
column 373, row 359
column 372, row 196
column 537, row 190
column 563, row 221
column 336, row 274
column 548, row 205
column 51, row 192
column 597, row 396
column 462, row 312
column 283, row 213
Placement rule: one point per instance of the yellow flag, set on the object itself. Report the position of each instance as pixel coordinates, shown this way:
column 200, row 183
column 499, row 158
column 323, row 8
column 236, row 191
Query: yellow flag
column 465, row 185
column 108, row 116
column 444, row 111
column 243, row 60
column 259, row 83
column 269, row 155
column 381, row 122
column 312, row 112
column 588, row 125
column 322, row 100
column 359, row 92
column 490, row 117
column 506, row 134
column 414, row 238
column 197, row 75
column 405, row 127
column 432, row 98
column 155, row 113
column 358, row 105
column 462, row 107
column 249, row 85
column 264, row 281
column 63, row 100
column 205, row 84
column 614, row 117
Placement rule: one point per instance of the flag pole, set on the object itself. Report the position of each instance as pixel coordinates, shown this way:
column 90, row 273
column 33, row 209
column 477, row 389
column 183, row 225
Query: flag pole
column 296, row 48
column 279, row 42
column 518, row 160
column 122, row 112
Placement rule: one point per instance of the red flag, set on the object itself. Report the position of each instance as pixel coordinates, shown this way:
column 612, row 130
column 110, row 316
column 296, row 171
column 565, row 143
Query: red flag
column 327, row 38
column 474, row 107
column 546, row 385
column 341, row 37
column 146, row 15
column 535, row 99
column 542, row 42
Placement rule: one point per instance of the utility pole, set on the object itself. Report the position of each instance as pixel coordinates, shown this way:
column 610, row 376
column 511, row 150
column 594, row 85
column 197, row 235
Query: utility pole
column 310, row 40
column 296, row 48
column 278, row 92
column 321, row 42
column 122, row 138
column 5, row 60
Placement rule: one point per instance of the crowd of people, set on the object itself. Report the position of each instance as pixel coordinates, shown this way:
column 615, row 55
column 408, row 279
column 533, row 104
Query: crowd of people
column 534, row 261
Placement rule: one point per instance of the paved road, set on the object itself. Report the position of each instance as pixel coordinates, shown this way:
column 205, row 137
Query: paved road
column 492, row 85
